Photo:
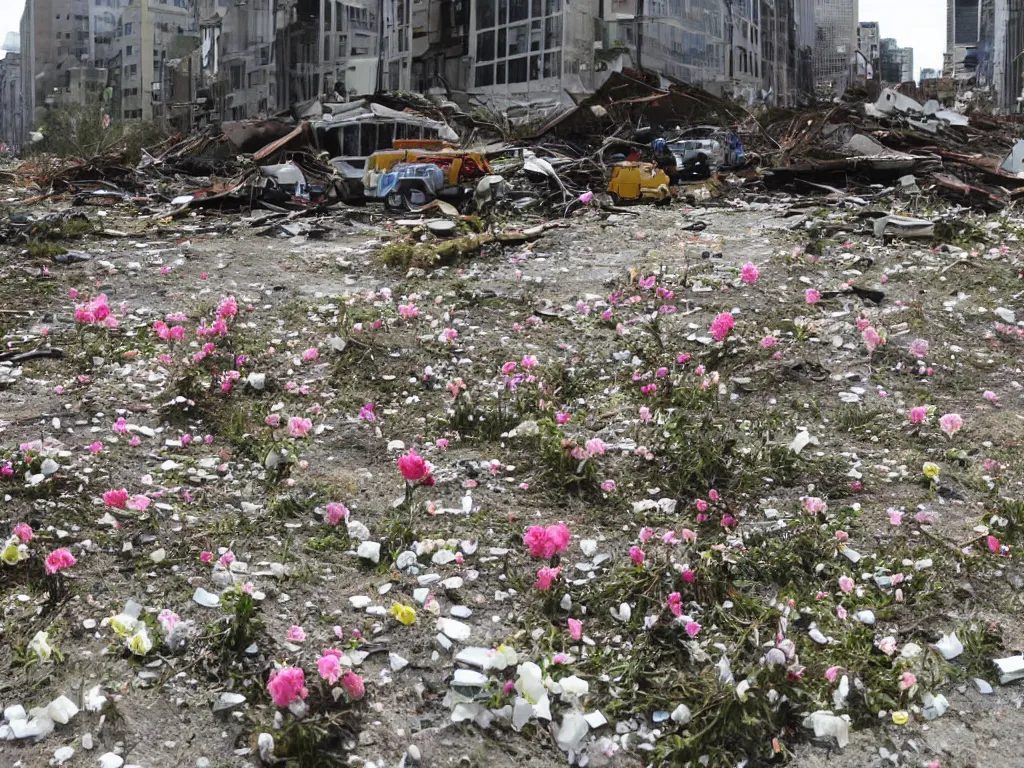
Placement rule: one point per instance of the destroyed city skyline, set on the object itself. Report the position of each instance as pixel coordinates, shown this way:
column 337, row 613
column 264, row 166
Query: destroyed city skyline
column 189, row 61
column 510, row 384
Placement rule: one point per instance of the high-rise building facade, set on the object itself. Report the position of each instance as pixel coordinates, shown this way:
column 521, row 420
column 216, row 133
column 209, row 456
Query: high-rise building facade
column 835, row 44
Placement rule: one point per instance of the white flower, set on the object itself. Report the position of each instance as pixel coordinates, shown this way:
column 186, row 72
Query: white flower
column 530, row 682
column 502, row 657
column 13, row 551
column 40, row 646
column 122, row 624
column 139, row 643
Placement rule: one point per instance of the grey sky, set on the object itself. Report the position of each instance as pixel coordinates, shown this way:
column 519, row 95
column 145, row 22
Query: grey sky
column 920, row 24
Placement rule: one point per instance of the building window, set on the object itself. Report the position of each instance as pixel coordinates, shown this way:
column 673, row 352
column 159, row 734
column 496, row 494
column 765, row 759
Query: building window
column 128, row 50
column 128, row 28
column 484, row 76
column 485, row 46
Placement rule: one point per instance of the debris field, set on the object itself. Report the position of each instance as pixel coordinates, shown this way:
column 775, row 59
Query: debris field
column 626, row 448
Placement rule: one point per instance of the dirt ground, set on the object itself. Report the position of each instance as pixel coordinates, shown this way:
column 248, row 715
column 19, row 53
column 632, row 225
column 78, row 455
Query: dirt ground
column 544, row 300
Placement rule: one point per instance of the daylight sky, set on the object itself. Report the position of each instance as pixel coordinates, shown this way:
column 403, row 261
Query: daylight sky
column 921, row 24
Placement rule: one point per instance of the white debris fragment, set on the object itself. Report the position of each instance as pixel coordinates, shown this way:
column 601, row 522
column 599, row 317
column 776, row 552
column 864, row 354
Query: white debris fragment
column 1010, row 669
column 205, row 599
column 949, row 646
column 369, row 550
column 827, row 725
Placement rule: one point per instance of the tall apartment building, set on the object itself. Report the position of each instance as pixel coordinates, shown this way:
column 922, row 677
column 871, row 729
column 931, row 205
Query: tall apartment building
column 238, row 73
column 787, row 42
column 12, row 128
column 868, row 45
column 323, row 47
column 897, row 63
column 150, row 36
column 835, row 43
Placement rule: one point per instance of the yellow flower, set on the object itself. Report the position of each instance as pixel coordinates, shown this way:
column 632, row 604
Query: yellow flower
column 930, row 469
column 139, row 643
column 13, row 551
column 123, row 624
column 405, row 614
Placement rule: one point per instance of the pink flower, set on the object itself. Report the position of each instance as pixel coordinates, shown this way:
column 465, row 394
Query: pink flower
column 675, row 603
column 413, row 467
column 272, row 420
column 713, row 495
column 645, row 413
column 120, row 426
column 366, row 413
column 206, row 557
column 228, row 307
column 907, row 681
column 336, row 513
column 408, row 311
column 842, row 536
column 918, row 414
column 846, row 584
column 298, row 426
column 721, row 326
column 575, row 629
column 688, row 536
column 310, row 355
column 24, row 532
column 692, row 628
column 329, row 667
column 951, row 423
column 637, row 555
column 919, row 348
column 286, row 685
column 95, row 447
column 608, row 486
column 227, row 558
column 135, row 441
column 702, row 506
column 993, row 544
column 749, row 273
column 528, row 361
column 688, row 575
column 561, row 417
column 811, row 296
column 547, row 542
column 831, row 673
column 168, row 620
column 768, row 342
column 991, row 396
column 546, row 576
column 441, row 443
column 139, row 503
column 116, row 498
column 596, row 446
column 58, row 560
column 813, row 505
column 296, row 634
column 871, row 338
column 895, row 515
column 645, row 534
column 840, row 612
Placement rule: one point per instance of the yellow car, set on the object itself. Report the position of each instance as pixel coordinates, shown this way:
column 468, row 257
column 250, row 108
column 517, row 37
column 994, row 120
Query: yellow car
column 459, row 166
column 639, row 181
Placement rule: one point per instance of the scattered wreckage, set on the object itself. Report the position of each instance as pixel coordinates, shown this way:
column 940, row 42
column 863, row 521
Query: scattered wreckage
column 634, row 140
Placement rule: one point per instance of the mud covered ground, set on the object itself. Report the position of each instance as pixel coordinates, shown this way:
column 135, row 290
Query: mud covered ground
column 748, row 499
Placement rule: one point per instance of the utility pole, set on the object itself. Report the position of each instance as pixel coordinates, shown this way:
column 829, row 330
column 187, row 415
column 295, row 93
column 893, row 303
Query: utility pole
column 638, row 23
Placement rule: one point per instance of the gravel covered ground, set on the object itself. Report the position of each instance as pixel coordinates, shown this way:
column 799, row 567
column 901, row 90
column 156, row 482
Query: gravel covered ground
column 758, row 524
